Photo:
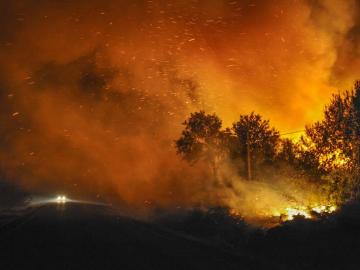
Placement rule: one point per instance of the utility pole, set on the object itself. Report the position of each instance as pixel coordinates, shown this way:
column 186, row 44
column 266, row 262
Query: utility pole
column 248, row 156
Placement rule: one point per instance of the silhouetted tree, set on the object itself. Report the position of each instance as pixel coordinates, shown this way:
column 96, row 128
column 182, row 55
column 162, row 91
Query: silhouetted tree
column 332, row 139
column 307, row 159
column 287, row 151
column 294, row 159
column 257, row 141
column 333, row 143
column 203, row 139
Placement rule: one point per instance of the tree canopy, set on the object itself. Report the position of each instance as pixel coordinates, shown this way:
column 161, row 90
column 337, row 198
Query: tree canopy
column 335, row 139
column 328, row 152
column 203, row 139
column 253, row 131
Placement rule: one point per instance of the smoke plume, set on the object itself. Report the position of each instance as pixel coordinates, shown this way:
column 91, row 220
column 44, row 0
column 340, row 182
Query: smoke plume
column 93, row 93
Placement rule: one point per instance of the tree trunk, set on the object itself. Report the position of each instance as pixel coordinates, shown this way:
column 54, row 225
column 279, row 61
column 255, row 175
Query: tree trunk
column 248, row 157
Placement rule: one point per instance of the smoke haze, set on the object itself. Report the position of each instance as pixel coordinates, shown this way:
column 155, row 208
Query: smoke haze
column 93, row 93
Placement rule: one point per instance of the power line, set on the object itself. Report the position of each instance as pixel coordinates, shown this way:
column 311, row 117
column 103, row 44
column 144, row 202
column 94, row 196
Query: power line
column 293, row 132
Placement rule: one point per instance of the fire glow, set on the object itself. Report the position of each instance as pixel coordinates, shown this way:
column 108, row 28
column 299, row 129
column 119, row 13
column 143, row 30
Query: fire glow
column 275, row 216
column 289, row 213
column 110, row 106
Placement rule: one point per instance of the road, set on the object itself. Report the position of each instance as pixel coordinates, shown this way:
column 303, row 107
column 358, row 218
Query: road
column 83, row 236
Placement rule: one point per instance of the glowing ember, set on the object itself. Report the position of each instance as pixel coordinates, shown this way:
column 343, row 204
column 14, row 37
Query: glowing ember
column 307, row 212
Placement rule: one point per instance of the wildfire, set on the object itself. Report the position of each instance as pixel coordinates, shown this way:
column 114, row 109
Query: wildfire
column 289, row 213
column 275, row 217
column 334, row 159
column 292, row 212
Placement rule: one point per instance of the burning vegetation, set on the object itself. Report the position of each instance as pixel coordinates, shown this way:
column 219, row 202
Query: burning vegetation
column 271, row 176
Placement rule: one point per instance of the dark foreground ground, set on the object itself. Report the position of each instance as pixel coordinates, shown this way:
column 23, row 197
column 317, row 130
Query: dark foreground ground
column 83, row 236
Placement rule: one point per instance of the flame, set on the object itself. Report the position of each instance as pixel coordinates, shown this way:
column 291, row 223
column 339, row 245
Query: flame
column 292, row 212
column 289, row 213
column 335, row 159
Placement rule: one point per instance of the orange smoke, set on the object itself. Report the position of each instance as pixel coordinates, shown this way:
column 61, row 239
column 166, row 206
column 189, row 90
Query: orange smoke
column 93, row 93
